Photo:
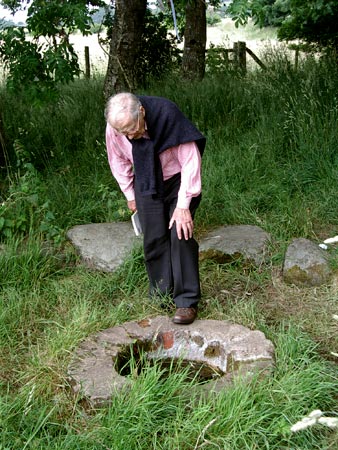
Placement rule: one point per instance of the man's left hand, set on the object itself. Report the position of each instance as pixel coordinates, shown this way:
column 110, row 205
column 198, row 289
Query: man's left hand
column 184, row 223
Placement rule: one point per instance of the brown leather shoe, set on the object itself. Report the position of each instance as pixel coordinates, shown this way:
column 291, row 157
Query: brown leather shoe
column 184, row 316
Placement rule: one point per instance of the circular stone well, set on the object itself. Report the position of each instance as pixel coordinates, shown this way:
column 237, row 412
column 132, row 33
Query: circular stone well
column 215, row 352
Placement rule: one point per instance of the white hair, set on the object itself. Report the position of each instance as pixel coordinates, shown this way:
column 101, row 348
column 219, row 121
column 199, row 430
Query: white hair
column 121, row 107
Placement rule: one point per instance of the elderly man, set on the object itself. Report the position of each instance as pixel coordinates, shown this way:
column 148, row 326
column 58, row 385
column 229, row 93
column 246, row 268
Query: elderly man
column 154, row 153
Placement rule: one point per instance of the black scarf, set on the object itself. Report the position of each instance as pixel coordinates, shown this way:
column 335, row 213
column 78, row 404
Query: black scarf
column 167, row 127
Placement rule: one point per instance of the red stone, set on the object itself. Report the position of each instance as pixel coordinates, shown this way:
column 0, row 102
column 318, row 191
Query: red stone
column 168, row 339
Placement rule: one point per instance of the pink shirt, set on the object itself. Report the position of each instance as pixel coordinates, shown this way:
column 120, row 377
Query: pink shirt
column 184, row 158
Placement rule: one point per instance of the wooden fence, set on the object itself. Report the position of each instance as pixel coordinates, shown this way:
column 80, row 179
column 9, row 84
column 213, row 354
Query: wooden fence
column 239, row 58
column 239, row 53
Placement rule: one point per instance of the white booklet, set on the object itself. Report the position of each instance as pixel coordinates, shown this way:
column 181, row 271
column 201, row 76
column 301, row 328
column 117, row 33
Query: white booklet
column 135, row 220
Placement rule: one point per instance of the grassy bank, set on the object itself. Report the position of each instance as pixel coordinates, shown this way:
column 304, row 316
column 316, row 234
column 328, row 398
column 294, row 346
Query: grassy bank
column 271, row 161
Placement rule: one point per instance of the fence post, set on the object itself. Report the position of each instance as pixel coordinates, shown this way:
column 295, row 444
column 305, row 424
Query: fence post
column 240, row 55
column 87, row 62
column 255, row 58
column 296, row 57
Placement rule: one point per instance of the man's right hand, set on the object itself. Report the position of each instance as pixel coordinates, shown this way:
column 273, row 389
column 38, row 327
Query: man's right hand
column 132, row 205
column 184, row 223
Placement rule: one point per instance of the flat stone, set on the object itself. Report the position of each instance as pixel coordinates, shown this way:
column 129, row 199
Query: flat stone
column 236, row 241
column 103, row 246
column 218, row 351
column 305, row 264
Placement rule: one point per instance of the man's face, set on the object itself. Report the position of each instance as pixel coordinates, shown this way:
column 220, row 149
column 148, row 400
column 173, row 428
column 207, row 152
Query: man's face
column 133, row 129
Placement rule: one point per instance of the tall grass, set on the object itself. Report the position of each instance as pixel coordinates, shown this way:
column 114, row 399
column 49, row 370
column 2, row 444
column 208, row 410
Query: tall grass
column 271, row 155
column 272, row 139
column 271, row 160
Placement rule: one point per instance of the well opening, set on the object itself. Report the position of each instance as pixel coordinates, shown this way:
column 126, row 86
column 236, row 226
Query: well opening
column 133, row 359
column 210, row 352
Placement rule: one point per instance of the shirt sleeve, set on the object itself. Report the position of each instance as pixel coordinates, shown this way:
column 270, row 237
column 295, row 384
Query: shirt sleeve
column 190, row 161
column 120, row 160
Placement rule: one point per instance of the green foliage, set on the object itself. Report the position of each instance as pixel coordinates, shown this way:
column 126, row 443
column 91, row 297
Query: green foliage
column 56, row 158
column 213, row 18
column 24, row 62
column 12, row 5
column 35, row 65
column 159, row 53
column 55, row 18
column 272, row 140
column 242, row 10
column 26, row 208
column 217, row 60
column 162, row 409
column 314, row 21
column 274, row 12
column 264, row 162
column 264, row 12
column 25, row 264
column 114, row 203
column 180, row 16
column 52, row 133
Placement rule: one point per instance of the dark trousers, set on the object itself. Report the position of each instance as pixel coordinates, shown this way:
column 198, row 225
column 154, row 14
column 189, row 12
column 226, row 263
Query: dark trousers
column 172, row 264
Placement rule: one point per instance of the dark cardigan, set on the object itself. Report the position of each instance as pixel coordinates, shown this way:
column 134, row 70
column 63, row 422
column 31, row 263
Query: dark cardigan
column 167, row 127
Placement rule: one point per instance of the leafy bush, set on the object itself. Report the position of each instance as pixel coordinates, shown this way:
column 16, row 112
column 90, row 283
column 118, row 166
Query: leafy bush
column 159, row 54
column 26, row 208
column 217, row 60
column 213, row 18
column 36, row 66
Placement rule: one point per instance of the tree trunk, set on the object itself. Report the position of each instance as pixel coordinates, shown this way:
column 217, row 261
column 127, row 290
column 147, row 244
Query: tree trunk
column 195, row 39
column 125, row 45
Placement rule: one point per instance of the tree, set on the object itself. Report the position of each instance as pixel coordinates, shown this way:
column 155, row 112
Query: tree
column 313, row 21
column 125, row 45
column 274, row 12
column 126, row 40
column 263, row 12
column 37, row 65
column 195, row 38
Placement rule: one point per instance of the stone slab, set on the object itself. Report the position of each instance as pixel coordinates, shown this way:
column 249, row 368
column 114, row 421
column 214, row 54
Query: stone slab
column 247, row 241
column 219, row 350
column 103, row 246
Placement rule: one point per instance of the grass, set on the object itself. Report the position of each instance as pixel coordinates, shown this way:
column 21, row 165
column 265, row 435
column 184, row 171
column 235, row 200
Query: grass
column 157, row 412
column 271, row 161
